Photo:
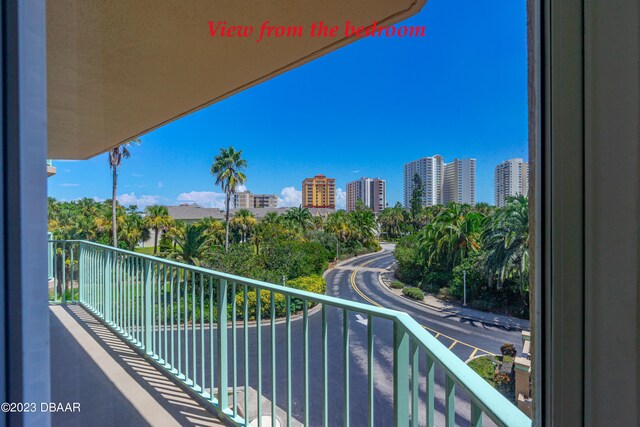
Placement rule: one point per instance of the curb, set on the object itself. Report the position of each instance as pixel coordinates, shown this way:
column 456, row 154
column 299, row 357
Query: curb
column 478, row 357
column 450, row 310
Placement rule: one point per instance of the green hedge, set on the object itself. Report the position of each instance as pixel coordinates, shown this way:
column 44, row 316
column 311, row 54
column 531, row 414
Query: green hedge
column 414, row 293
column 397, row 285
column 315, row 284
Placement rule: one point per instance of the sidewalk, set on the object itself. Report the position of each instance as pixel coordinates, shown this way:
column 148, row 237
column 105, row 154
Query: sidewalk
column 460, row 311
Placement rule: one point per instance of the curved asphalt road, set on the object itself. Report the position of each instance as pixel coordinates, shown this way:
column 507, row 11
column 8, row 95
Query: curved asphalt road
column 358, row 280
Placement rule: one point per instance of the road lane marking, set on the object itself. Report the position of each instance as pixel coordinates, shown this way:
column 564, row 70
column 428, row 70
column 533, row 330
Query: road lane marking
column 361, row 319
column 475, row 350
column 453, row 344
column 354, row 286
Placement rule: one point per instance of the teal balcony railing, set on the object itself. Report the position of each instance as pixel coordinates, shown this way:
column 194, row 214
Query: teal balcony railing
column 178, row 314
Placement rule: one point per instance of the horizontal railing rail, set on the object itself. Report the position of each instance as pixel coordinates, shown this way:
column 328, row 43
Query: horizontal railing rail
column 196, row 323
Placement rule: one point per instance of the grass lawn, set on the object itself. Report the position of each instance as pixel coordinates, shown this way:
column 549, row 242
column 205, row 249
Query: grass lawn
column 484, row 367
column 146, row 251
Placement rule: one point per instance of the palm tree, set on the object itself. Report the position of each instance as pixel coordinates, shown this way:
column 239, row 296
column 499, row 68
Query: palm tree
column 116, row 155
column 300, row 217
column 191, row 244
column 271, row 218
column 363, row 222
column 157, row 219
column 338, row 224
column 484, row 208
column 506, row 240
column 244, row 220
column 453, row 235
column 214, row 229
column 133, row 230
column 227, row 168
column 392, row 220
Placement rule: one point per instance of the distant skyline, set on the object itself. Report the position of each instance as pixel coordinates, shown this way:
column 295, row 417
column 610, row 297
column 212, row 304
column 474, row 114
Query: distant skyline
column 362, row 111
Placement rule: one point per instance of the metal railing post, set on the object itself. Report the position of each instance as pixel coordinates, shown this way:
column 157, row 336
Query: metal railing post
column 148, row 308
column 223, row 386
column 81, row 272
column 400, row 375
column 107, row 286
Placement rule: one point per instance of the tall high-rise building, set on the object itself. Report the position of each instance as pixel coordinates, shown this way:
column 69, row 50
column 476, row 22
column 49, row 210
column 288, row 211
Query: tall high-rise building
column 372, row 192
column 319, row 192
column 511, row 178
column 430, row 170
column 248, row 200
column 442, row 182
column 459, row 184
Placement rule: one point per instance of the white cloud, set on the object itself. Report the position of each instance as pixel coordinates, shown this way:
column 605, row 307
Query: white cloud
column 290, row 197
column 160, row 184
column 207, row 199
column 341, row 199
column 356, row 171
column 137, row 175
column 140, row 201
column 69, row 185
column 241, row 188
column 96, row 199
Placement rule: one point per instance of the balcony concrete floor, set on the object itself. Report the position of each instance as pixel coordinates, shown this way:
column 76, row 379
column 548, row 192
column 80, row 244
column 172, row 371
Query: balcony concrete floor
column 113, row 384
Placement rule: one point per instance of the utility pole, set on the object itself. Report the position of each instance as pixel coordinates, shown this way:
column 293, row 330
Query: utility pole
column 464, row 281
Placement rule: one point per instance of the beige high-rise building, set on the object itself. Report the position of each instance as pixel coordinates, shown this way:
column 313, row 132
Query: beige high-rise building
column 248, row 200
column 319, row 192
column 459, row 184
column 372, row 192
column 511, row 178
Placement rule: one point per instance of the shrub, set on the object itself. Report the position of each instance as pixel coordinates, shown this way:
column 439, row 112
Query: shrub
column 293, row 258
column 445, row 294
column 508, row 349
column 410, row 263
column 328, row 241
column 315, row 284
column 397, row 285
column 265, row 301
column 414, row 293
column 501, row 379
column 475, row 278
column 483, row 305
column 504, row 384
column 434, row 280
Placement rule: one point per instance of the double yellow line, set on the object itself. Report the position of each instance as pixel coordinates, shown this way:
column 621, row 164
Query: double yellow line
column 352, row 280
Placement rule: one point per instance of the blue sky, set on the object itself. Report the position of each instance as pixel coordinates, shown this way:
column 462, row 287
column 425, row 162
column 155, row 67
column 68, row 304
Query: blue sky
column 363, row 110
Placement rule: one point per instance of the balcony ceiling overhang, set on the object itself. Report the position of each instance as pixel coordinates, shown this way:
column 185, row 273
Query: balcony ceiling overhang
column 120, row 68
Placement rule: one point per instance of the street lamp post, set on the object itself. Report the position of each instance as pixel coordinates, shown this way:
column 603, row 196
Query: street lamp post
column 464, row 281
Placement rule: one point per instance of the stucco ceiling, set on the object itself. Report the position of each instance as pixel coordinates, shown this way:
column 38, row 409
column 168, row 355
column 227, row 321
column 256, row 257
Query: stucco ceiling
column 120, row 68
